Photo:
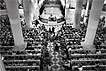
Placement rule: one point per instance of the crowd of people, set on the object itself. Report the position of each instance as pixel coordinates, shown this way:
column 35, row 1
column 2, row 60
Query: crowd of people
column 6, row 37
column 100, row 34
column 81, row 58
column 67, row 40
column 2, row 5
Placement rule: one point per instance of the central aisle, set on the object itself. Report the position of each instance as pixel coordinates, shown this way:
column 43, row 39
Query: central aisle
column 56, row 58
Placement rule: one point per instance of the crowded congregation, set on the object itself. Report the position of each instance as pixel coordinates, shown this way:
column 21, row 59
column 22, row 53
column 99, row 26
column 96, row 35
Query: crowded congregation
column 52, row 35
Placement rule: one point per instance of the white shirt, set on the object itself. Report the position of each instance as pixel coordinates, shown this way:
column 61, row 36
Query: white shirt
column 80, row 69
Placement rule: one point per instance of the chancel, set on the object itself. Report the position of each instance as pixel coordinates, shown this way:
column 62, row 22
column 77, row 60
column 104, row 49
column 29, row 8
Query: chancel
column 52, row 35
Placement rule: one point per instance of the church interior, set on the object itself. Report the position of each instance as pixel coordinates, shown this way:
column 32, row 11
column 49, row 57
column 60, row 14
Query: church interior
column 52, row 35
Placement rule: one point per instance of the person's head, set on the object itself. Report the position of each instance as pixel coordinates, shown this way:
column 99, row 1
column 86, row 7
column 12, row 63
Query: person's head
column 49, row 28
column 79, row 65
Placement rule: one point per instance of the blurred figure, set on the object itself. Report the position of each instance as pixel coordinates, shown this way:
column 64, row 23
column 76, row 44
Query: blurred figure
column 56, row 47
column 53, row 29
column 50, row 30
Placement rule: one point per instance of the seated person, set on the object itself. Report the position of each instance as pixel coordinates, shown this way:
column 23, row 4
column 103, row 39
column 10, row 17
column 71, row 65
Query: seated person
column 80, row 67
column 97, row 67
column 98, row 52
column 67, row 65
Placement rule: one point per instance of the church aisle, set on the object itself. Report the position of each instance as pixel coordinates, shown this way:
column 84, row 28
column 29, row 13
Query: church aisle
column 56, row 58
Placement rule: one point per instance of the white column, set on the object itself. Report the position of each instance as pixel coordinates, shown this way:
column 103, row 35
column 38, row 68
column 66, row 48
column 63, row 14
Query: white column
column 20, row 1
column 13, row 13
column 86, row 12
column 93, row 23
column 28, row 7
column 84, row 2
column 37, row 8
column 77, row 15
column 2, row 68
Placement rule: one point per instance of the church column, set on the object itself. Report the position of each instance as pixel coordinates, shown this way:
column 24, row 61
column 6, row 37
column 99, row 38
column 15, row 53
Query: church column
column 77, row 14
column 2, row 68
column 68, row 16
column 93, row 23
column 36, row 12
column 13, row 13
column 86, row 12
column 28, row 7
column 66, row 8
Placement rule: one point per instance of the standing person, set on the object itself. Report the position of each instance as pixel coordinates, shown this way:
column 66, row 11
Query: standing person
column 56, row 47
column 53, row 29
column 50, row 30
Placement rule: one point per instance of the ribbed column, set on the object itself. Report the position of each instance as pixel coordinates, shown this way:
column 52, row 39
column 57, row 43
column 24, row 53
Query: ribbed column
column 86, row 12
column 13, row 13
column 28, row 7
column 77, row 14
column 93, row 23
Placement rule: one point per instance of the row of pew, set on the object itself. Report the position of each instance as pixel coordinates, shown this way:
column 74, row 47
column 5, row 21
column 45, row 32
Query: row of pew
column 80, row 58
column 21, row 60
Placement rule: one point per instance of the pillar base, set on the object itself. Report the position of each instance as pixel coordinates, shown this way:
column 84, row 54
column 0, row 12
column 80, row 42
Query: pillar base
column 19, row 47
column 76, row 27
column 89, row 47
column 73, row 26
column 28, row 26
